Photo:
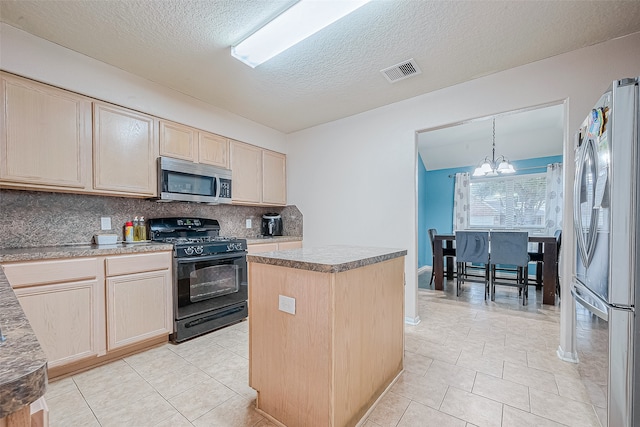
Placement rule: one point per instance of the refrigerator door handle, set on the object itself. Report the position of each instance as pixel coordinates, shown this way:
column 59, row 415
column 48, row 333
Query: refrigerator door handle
column 589, row 300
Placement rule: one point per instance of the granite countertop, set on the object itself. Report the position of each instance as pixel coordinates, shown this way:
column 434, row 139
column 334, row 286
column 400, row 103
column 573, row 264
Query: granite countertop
column 327, row 259
column 23, row 364
column 275, row 239
column 68, row 251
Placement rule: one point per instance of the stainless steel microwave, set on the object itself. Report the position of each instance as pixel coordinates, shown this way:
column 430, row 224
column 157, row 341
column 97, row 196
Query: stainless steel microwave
column 180, row 180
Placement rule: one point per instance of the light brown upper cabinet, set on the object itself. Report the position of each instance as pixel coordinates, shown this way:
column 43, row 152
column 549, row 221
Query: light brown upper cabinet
column 274, row 178
column 213, row 149
column 178, row 141
column 125, row 148
column 45, row 140
column 259, row 176
column 187, row 143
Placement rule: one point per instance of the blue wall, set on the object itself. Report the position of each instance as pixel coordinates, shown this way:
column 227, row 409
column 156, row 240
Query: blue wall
column 435, row 199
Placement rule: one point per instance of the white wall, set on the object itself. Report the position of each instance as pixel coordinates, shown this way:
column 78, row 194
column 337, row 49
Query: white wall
column 29, row 56
column 354, row 179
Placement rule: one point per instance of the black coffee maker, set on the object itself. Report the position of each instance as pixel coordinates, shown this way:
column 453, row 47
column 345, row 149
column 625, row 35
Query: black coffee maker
column 271, row 225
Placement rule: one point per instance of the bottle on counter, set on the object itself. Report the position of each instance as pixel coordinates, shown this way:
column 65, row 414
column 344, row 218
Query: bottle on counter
column 136, row 229
column 142, row 234
column 128, row 231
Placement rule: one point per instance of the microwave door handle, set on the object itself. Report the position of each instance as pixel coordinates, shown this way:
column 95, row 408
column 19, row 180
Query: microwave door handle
column 218, row 183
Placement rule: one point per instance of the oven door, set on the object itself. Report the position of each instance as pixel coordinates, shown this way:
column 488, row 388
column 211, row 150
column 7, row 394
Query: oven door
column 206, row 283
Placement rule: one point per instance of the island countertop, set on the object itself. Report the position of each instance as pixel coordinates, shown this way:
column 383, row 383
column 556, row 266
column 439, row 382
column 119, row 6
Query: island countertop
column 23, row 364
column 327, row 259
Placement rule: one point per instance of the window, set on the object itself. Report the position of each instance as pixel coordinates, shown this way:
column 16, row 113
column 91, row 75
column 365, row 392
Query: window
column 508, row 202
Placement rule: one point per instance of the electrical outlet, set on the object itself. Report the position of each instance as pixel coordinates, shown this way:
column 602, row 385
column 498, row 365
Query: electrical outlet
column 287, row 304
column 105, row 223
column 248, row 223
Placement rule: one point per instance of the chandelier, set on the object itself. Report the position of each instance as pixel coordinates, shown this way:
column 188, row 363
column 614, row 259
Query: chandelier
column 492, row 166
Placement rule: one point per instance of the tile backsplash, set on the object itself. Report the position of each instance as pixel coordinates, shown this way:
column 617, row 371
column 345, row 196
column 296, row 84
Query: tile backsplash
column 36, row 218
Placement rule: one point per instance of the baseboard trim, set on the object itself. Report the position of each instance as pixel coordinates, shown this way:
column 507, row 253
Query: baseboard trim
column 567, row 356
column 413, row 321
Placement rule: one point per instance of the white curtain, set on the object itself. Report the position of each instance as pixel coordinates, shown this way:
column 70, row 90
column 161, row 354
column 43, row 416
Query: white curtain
column 461, row 202
column 555, row 199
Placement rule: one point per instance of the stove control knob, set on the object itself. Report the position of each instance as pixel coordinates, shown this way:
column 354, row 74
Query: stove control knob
column 230, row 247
column 199, row 250
column 188, row 250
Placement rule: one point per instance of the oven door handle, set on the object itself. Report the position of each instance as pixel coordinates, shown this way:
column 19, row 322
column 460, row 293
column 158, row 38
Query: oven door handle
column 225, row 256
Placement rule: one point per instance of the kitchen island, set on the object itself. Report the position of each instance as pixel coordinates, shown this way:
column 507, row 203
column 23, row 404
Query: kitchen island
column 23, row 365
column 326, row 332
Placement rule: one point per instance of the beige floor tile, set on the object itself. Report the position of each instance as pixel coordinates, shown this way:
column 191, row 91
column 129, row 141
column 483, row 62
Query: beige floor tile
column 148, row 411
column 513, row 417
column 369, row 423
column 84, row 418
column 416, row 363
column 451, row 375
column 486, row 364
column 503, row 391
column 533, row 378
column 475, row 409
column 176, row 420
column 236, row 377
column 235, row 412
column 420, row 389
column 105, row 378
column 123, row 394
column 155, row 360
column 172, row 380
column 507, row 354
column 389, row 410
column 548, row 361
column 563, row 410
column 201, row 398
column 421, row 415
column 440, row 352
column 69, row 408
column 58, row 387
column 573, row 388
column 602, row 416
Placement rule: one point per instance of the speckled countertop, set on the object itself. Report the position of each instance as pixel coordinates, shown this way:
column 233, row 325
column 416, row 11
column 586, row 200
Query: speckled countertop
column 327, row 259
column 275, row 239
column 53, row 252
column 23, row 365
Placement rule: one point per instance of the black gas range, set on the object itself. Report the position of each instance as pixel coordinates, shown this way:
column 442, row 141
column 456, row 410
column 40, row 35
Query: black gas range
column 210, row 274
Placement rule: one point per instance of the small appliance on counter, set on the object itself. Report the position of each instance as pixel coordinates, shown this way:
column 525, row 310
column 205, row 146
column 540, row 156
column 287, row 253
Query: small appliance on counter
column 271, row 225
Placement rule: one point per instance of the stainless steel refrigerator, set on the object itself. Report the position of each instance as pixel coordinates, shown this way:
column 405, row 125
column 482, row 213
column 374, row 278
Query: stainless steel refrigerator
column 607, row 222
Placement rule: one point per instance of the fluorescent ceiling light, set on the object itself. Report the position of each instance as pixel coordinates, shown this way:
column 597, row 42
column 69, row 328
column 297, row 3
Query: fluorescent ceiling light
column 295, row 24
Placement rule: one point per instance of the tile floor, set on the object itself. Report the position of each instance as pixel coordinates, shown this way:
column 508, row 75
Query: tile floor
column 468, row 363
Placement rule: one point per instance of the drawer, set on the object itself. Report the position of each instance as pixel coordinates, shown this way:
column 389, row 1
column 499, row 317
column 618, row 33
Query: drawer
column 44, row 272
column 139, row 263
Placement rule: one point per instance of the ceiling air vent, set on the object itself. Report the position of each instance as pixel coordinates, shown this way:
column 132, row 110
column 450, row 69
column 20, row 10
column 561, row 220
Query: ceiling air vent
column 401, row 71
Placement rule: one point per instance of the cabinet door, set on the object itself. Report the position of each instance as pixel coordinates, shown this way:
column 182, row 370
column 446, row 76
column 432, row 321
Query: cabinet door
column 125, row 149
column 138, row 307
column 213, row 150
column 45, row 135
column 178, row 141
column 67, row 318
column 274, row 178
column 246, row 167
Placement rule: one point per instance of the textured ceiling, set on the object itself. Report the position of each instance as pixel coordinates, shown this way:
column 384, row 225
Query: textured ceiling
column 184, row 44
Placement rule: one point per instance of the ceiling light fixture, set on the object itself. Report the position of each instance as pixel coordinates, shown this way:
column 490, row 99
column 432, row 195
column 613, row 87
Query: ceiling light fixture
column 295, row 24
column 493, row 166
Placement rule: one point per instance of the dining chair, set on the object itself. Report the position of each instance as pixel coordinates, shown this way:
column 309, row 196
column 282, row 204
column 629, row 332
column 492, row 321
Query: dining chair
column 446, row 252
column 510, row 248
column 472, row 247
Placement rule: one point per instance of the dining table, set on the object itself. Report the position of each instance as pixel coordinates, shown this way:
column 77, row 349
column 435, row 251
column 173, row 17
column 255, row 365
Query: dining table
column 547, row 244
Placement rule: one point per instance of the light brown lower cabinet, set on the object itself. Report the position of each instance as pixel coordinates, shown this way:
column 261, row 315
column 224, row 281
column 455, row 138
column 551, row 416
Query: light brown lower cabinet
column 139, row 305
column 81, row 317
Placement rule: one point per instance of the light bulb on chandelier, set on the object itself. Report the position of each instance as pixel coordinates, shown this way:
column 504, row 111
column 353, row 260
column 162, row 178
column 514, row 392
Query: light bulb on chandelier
column 492, row 166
